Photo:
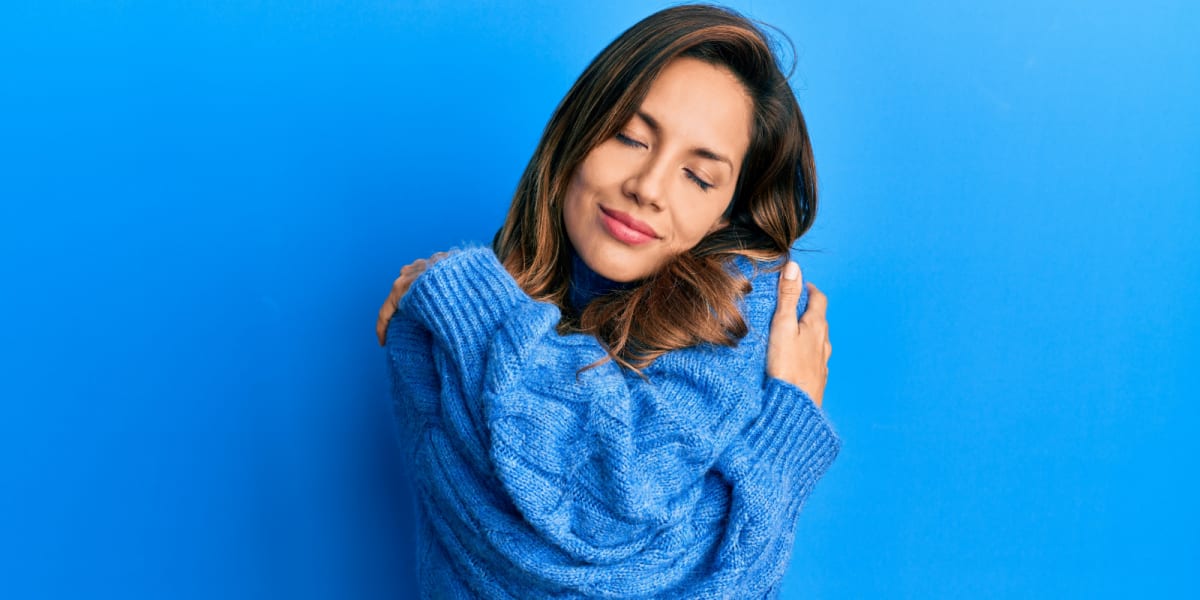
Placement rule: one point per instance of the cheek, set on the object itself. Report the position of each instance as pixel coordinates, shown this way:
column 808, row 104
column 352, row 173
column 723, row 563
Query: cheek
column 692, row 228
column 574, row 212
column 588, row 180
column 602, row 168
column 689, row 237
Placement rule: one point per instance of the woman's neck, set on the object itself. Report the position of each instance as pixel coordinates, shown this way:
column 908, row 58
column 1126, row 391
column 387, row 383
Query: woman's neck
column 587, row 285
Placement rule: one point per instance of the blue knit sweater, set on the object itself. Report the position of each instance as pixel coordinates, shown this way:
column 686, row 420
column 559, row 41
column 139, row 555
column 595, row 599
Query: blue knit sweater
column 531, row 483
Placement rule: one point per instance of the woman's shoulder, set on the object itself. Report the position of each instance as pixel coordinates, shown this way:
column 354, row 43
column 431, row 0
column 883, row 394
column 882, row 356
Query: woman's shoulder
column 745, row 361
column 758, row 305
column 763, row 274
column 755, row 268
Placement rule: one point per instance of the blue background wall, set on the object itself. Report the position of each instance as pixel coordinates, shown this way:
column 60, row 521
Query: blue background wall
column 203, row 204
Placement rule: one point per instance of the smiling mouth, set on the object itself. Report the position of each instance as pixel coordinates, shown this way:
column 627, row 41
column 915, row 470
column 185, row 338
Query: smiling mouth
column 625, row 228
column 627, row 220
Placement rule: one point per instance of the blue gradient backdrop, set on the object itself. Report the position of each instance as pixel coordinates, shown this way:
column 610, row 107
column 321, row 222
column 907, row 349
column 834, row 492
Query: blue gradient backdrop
column 203, row 204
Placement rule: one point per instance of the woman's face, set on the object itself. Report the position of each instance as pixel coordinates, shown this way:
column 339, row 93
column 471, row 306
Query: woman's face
column 663, row 182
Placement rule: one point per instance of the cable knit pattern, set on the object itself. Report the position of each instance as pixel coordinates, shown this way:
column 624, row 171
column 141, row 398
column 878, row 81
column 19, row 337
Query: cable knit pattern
column 535, row 480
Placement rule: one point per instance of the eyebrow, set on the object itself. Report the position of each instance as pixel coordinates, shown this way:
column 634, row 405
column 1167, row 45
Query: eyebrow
column 701, row 152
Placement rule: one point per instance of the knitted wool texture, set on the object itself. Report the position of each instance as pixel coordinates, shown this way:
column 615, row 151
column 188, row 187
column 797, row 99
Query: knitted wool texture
column 532, row 482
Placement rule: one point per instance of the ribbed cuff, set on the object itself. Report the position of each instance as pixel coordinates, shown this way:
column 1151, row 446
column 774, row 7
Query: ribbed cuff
column 793, row 436
column 462, row 299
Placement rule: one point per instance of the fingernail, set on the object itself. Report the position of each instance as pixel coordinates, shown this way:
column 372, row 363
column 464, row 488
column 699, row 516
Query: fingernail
column 791, row 271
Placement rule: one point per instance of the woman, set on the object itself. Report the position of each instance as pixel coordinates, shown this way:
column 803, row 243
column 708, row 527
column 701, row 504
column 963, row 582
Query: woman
column 591, row 406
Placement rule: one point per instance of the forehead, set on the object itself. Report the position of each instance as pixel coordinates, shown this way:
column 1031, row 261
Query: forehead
column 701, row 104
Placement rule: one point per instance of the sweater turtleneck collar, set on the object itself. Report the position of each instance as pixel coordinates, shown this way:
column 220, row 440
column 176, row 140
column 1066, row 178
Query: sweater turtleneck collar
column 587, row 285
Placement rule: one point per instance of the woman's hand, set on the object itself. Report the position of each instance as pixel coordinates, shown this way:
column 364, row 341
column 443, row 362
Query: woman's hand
column 400, row 287
column 798, row 350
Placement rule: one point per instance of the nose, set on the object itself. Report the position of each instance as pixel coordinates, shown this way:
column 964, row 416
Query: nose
column 647, row 185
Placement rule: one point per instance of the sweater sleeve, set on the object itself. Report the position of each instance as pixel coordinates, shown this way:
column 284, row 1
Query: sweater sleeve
column 605, row 466
column 774, row 467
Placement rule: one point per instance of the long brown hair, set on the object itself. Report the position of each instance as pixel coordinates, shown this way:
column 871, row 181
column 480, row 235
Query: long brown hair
column 691, row 299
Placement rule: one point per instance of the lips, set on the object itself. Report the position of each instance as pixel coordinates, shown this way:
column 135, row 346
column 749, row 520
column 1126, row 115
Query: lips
column 630, row 222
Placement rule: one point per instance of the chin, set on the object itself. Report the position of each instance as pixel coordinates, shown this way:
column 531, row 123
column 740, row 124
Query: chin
column 622, row 274
column 619, row 264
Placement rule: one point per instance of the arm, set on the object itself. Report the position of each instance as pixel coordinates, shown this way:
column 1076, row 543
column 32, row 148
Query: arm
column 628, row 451
column 770, row 470
column 609, row 455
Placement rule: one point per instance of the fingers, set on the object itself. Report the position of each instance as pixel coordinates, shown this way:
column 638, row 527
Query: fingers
column 385, row 314
column 399, row 288
column 408, row 274
column 814, row 318
column 817, row 303
column 789, row 296
column 798, row 350
column 413, row 267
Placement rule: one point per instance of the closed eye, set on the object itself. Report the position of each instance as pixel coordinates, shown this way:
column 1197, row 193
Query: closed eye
column 628, row 141
column 704, row 185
